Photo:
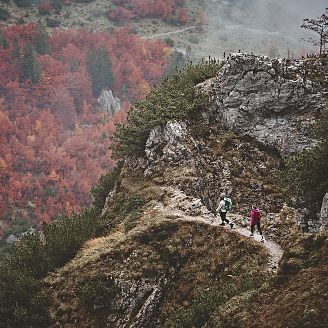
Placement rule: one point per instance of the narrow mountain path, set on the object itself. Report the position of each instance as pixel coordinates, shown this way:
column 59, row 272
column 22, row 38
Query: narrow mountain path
column 186, row 208
column 176, row 209
column 168, row 33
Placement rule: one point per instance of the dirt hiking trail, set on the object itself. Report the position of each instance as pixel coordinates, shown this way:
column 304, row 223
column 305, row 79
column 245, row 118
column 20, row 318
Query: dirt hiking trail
column 175, row 208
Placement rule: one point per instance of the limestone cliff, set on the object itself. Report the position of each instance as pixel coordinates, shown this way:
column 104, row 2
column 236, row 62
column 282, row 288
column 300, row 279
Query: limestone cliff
column 273, row 100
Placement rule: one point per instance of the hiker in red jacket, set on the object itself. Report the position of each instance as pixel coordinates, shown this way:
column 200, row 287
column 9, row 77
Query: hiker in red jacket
column 256, row 221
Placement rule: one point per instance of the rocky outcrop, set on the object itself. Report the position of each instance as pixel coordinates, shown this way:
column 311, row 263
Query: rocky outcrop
column 324, row 213
column 108, row 102
column 168, row 145
column 273, row 101
column 137, row 302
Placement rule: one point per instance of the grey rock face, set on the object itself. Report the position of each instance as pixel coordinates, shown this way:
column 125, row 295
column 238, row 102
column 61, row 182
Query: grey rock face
column 108, row 102
column 137, row 304
column 11, row 239
column 270, row 100
column 324, row 213
column 172, row 145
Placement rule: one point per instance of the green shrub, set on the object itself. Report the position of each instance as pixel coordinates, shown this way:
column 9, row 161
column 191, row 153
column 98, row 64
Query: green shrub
column 57, row 5
column 176, row 98
column 23, row 3
column 103, row 187
column 4, row 14
column 23, row 302
column 20, row 21
column 305, row 177
column 53, row 22
column 169, row 42
column 65, row 236
column 98, row 292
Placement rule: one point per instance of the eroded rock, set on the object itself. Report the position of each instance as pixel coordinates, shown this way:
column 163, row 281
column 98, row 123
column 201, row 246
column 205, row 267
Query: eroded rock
column 169, row 145
column 108, row 102
column 324, row 213
column 273, row 101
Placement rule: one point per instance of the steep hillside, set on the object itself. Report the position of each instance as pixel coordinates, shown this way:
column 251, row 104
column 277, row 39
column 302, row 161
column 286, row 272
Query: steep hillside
column 160, row 264
column 150, row 252
column 166, row 273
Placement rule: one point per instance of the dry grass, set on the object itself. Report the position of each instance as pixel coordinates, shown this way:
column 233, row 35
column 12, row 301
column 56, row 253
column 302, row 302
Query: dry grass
column 201, row 256
column 296, row 298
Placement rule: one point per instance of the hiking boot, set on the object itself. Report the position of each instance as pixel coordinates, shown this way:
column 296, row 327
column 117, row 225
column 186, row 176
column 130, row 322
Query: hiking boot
column 262, row 239
column 222, row 224
column 231, row 225
column 251, row 235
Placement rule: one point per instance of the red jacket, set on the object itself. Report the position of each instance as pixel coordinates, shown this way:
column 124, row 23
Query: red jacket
column 255, row 216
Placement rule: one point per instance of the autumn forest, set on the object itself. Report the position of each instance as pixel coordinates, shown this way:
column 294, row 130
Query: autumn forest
column 54, row 135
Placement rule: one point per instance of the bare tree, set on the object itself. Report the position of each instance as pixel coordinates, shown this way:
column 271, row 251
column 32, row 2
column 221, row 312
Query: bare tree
column 319, row 26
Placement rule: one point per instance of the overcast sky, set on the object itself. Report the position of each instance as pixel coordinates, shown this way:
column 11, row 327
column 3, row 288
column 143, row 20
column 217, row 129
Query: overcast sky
column 255, row 25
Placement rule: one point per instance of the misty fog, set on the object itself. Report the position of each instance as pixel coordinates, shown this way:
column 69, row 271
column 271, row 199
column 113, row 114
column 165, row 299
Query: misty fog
column 260, row 26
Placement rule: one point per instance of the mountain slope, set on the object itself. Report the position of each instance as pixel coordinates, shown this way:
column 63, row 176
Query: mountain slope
column 163, row 265
column 155, row 258
column 167, row 271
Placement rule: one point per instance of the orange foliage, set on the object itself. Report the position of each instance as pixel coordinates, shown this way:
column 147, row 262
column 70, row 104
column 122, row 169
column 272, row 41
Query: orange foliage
column 53, row 136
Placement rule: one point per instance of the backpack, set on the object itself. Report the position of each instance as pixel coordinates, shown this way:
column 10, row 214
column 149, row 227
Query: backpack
column 227, row 203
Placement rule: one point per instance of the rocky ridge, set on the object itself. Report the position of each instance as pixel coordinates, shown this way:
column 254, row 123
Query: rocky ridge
column 272, row 102
column 181, row 175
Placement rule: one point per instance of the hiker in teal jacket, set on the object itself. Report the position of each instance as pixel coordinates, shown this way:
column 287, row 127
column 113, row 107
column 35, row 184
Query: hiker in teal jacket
column 223, row 208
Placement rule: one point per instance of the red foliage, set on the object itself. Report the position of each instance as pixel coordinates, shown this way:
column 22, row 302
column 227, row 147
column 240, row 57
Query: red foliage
column 182, row 16
column 45, row 8
column 54, row 138
column 121, row 14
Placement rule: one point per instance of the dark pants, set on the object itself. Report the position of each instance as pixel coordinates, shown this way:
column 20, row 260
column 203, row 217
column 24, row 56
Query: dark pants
column 223, row 216
column 258, row 225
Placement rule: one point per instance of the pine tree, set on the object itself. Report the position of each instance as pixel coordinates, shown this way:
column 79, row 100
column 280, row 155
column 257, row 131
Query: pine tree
column 3, row 42
column 41, row 42
column 178, row 60
column 101, row 70
column 23, row 3
column 16, row 51
column 30, row 68
column 57, row 5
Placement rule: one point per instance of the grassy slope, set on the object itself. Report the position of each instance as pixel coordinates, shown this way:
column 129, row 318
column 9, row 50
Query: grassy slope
column 218, row 278
column 207, row 269
column 297, row 297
